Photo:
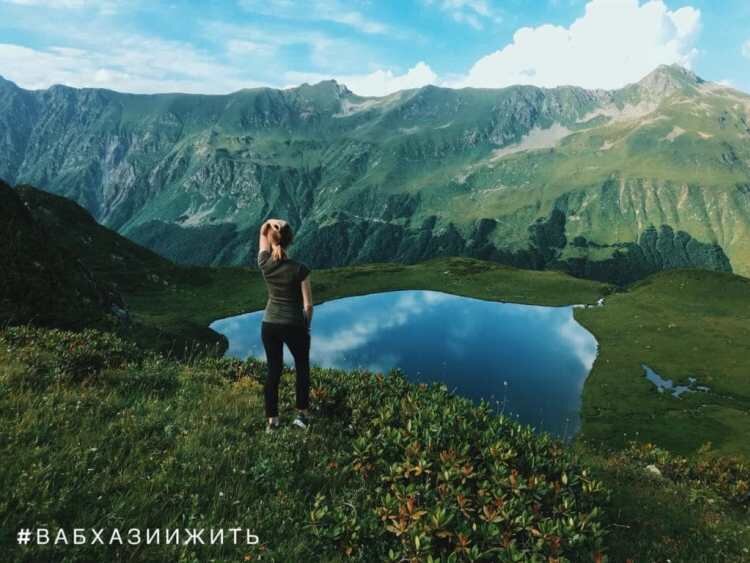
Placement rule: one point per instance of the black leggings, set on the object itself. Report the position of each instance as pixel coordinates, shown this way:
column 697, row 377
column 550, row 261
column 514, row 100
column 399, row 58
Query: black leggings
column 297, row 339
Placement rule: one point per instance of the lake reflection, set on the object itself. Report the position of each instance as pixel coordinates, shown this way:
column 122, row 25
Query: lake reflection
column 530, row 361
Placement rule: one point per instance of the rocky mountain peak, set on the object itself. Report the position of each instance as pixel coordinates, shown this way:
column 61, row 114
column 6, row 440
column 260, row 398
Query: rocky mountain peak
column 666, row 79
column 327, row 88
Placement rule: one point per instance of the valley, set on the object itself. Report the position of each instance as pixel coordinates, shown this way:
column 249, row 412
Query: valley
column 682, row 323
column 158, row 401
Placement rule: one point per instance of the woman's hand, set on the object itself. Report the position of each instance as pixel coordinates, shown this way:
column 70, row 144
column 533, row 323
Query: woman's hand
column 276, row 223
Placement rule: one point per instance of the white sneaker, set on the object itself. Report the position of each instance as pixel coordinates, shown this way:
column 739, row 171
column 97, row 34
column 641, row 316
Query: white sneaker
column 301, row 421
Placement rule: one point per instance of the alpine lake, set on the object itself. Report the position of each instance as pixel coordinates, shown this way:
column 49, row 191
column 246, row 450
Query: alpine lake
column 529, row 362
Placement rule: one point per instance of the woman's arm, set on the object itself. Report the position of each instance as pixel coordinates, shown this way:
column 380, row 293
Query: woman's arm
column 263, row 242
column 307, row 300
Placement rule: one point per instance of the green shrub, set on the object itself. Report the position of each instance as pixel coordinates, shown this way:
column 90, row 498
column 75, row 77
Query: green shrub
column 66, row 356
column 728, row 476
column 389, row 471
column 430, row 474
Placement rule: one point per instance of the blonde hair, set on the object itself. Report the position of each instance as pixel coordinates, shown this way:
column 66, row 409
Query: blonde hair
column 279, row 240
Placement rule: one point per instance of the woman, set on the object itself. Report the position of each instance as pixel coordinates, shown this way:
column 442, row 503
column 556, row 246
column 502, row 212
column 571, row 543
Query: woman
column 286, row 319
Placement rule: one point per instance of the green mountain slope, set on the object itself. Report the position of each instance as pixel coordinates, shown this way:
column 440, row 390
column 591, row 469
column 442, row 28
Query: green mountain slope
column 42, row 282
column 60, row 268
column 111, row 258
column 606, row 184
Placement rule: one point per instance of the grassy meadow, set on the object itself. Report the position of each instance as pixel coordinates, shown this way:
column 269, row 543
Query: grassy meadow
column 99, row 432
column 96, row 434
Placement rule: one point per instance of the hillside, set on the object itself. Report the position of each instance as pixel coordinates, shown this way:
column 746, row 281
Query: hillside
column 42, row 282
column 62, row 269
column 660, row 322
column 383, row 469
column 612, row 185
column 389, row 471
column 111, row 258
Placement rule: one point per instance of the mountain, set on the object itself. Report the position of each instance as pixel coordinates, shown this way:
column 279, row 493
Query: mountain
column 611, row 185
column 42, row 282
column 110, row 258
column 62, row 268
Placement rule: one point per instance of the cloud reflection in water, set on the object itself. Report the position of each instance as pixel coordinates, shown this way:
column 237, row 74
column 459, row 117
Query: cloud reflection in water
column 471, row 345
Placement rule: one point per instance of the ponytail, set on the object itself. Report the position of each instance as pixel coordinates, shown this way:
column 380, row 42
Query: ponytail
column 277, row 250
column 278, row 253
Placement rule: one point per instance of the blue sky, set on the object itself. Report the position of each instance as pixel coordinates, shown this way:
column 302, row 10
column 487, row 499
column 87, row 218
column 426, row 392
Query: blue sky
column 374, row 46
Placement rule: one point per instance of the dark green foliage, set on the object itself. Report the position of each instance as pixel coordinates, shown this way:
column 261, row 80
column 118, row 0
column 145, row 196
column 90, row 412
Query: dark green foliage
column 656, row 250
column 548, row 236
column 389, row 470
column 109, row 257
column 430, row 474
column 41, row 281
column 188, row 245
column 61, row 356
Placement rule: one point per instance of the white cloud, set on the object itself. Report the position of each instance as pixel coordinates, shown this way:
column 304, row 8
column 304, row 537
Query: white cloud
column 49, row 3
column 471, row 12
column 580, row 341
column 243, row 47
column 124, row 62
column 334, row 54
column 332, row 348
column 101, row 6
column 746, row 49
column 316, row 10
column 378, row 83
column 614, row 43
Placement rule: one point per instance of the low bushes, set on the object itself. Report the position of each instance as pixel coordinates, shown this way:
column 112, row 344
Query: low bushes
column 389, row 471
column 51, row 355
column 728, row 477
column 432, row 475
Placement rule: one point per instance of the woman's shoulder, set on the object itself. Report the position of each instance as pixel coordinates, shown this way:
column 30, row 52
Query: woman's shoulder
column 263, row 257
column 302, row 269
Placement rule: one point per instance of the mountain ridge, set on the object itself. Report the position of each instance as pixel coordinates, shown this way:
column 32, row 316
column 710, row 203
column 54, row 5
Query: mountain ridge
column 674, row 72
column 429, row 171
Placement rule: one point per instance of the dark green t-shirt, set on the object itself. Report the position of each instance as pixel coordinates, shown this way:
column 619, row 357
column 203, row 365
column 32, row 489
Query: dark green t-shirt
column 284, row 283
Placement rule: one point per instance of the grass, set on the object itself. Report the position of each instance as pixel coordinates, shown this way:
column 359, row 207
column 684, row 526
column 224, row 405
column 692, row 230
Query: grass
column 204, row 295
column 95, row 434
column 681, row 324
column 675, row 517
column 193, row 428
